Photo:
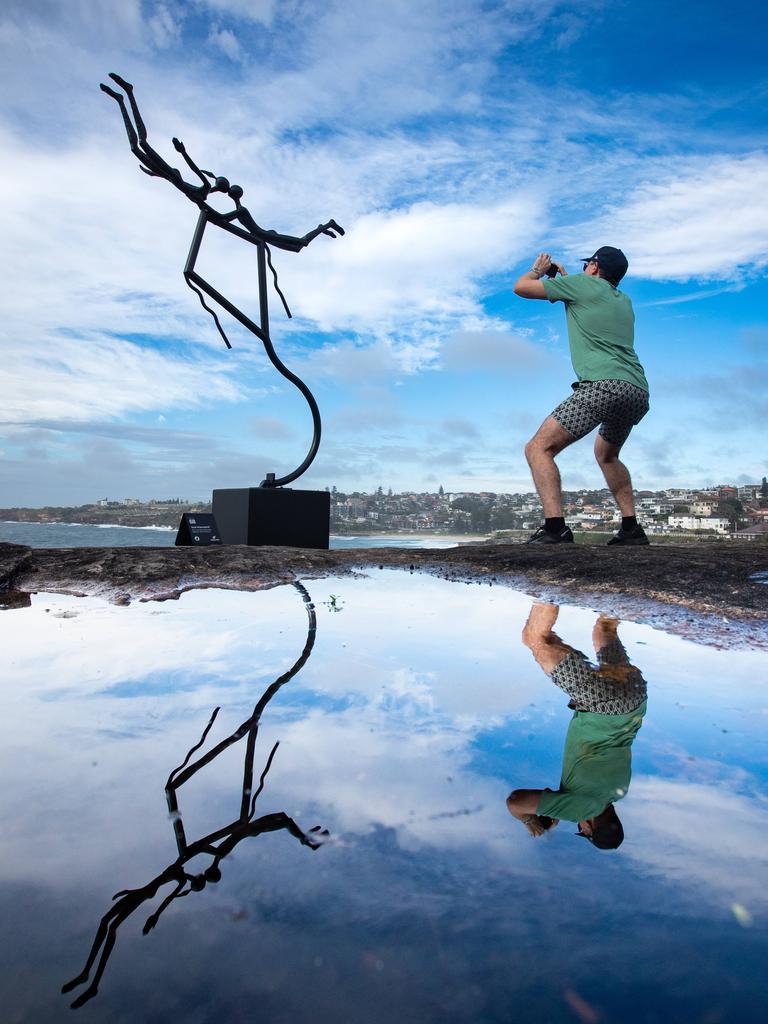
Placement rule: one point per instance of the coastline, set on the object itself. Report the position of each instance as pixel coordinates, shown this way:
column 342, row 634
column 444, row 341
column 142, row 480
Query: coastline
column 457, row 538
column 92, row 526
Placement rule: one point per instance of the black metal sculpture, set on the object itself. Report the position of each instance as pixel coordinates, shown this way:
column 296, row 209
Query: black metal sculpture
column 237, row 222
column 217, row 844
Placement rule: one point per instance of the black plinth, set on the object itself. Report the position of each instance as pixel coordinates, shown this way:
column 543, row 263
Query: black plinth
column 273, row 515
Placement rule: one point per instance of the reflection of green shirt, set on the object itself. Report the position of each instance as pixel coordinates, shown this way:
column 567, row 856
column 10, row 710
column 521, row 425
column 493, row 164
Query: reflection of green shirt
column 601, row 328
column 597, row 764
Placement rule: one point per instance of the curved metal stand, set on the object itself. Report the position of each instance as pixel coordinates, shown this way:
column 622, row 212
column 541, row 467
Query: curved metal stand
column 199, row 284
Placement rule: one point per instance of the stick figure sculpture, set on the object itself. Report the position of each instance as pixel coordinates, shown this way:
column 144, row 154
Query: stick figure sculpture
column 237, row 222
column 217, row 844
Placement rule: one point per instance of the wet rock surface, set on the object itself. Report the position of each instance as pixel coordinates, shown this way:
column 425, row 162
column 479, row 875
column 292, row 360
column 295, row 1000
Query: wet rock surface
column 719, row 582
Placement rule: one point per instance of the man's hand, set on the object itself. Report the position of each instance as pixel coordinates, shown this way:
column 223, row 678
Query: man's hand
column 542, row 263
column 537, row 824
column 529, row 286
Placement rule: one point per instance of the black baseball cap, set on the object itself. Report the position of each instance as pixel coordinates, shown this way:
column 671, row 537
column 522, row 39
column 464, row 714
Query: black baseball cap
column 607, row 831
column 611, row 261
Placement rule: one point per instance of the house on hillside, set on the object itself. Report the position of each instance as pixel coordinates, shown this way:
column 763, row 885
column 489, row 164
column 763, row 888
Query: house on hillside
column 718, row 524
column 758, row 531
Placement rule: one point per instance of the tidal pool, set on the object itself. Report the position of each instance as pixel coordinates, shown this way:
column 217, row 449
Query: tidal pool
column 374, row 872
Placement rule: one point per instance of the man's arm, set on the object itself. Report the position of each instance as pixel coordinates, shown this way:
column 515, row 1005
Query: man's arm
column 522, row 804
column 529, row 286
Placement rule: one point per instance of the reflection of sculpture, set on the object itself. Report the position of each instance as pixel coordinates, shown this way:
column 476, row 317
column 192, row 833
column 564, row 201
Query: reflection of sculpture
column 218, row 844
column 237, row 222
column 609, row 703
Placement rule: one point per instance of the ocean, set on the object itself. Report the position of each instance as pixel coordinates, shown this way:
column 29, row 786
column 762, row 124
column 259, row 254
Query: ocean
column 86, row 535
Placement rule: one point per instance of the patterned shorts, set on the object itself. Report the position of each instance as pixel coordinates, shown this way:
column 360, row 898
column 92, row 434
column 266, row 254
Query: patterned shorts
column 615, row 688
column 616, row 404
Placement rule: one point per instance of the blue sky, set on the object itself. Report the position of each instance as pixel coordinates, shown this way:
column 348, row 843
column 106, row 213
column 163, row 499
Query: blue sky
column 453, row 140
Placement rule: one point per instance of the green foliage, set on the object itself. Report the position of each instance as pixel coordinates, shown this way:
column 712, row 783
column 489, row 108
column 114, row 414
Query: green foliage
column 731, row 509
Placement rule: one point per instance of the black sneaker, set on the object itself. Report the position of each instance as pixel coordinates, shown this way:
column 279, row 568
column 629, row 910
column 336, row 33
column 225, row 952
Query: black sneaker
column 542, row 537
column 635, row 536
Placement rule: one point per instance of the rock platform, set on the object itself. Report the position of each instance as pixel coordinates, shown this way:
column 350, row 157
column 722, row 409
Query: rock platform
column 719, row 582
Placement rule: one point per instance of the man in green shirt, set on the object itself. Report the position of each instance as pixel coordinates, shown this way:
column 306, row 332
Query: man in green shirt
column 609, row 703
column 611, row 389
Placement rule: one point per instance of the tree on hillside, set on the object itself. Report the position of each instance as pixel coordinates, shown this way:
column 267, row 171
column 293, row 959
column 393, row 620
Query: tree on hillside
column 732, row 510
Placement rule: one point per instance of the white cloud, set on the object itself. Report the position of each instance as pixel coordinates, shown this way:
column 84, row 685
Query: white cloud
column 375, row 63
column 262, row 11
column 423, row 262
column 224, row 39
column 101, row 377
column 492, row 350
column 415, row 126
column 703, row 218
column 271, row 427
column 96, row 20
column 165, row 29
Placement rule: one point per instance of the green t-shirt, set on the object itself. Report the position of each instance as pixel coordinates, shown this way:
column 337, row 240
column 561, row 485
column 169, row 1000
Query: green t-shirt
column 601, row 328
column 597, row 765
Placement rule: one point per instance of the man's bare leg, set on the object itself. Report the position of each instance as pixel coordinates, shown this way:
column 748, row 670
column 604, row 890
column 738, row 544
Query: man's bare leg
column 616, row 475
column 604, row 631
column 548, row 441
column 548, row 650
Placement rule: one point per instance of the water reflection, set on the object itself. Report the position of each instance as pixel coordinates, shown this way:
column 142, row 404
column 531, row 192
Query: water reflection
column 216, row 845
column 608, row 703
column 417, row 712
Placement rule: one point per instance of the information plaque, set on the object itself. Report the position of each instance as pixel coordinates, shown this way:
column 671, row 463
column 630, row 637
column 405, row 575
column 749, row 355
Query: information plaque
column 197, row 529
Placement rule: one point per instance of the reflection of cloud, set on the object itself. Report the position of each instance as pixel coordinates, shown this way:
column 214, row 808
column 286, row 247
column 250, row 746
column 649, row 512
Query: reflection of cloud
column 700, row 837
column 405, row 716
column 126, row 686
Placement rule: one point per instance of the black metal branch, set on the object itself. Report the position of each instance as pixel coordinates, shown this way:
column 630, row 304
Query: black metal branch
column 197, row 746
column 274, row 278
column 208, row 309
column 264, row 774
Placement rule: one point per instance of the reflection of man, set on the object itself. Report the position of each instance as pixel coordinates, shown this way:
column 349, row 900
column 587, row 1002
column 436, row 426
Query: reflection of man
column 608, row 704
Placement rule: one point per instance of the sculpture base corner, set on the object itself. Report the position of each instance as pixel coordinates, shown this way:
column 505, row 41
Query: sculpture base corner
column 274, row 516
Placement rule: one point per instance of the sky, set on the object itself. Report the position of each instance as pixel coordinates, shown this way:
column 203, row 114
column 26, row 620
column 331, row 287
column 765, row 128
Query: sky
column 453, row 140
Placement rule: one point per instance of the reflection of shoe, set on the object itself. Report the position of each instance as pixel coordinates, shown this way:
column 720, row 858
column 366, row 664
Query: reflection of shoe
column 542, row 537
column 634, row 536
